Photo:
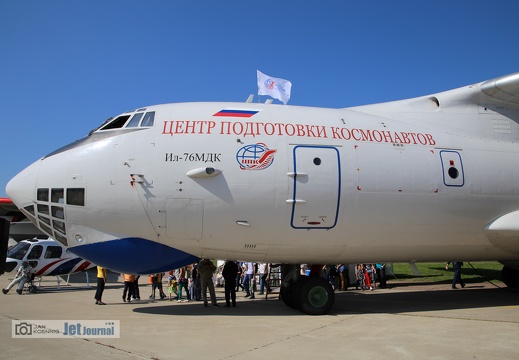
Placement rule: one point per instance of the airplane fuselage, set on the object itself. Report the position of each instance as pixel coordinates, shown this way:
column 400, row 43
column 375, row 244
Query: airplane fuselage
column 417, row 180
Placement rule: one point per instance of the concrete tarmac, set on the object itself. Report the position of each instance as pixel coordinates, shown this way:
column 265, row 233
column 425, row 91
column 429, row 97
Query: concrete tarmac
column 408, row 321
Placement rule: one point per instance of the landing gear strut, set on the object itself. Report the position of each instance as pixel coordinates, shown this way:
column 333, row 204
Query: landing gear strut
column 312, row 294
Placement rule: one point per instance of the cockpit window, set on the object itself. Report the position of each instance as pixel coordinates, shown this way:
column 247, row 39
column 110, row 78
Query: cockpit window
column 117, row 123
column 149, row 119
column 134, row 122
column 18, row 251
column 131, row 120
column 35, row 252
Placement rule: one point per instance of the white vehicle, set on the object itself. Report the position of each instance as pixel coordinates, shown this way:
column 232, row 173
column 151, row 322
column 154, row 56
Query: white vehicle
column 433, row 178
column 47, row 257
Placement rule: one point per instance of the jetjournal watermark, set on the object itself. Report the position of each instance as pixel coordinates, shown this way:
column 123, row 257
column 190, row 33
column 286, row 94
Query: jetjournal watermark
column 66, row 329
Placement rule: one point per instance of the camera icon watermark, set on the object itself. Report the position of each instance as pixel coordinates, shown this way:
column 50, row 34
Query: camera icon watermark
column 23, row 329
column 66, row 329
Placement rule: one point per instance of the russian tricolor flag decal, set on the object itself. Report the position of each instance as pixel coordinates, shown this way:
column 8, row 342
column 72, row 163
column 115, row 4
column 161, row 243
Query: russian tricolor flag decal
column 237, row 113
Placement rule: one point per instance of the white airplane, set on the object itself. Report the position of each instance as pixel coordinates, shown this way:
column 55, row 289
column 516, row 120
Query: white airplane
column 47, row 257
column 433, row 178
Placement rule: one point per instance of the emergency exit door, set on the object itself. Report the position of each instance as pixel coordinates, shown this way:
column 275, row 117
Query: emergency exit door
column 316, row 187
column 452, row 166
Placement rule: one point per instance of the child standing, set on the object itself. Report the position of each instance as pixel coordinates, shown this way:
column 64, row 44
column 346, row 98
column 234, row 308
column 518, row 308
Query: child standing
column 172, row 285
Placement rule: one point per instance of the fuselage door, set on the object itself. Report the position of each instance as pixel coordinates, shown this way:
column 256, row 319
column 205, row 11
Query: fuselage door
column 316, row 187
column 453, row 174
column 34, row 255
column 184, row 219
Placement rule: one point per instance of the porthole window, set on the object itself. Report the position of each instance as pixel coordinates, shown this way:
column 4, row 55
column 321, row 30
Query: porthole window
column 317, row 161
column 452, row 168
column 453, row 173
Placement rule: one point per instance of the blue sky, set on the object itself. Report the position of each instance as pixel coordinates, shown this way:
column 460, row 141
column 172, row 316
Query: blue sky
column 66, row 66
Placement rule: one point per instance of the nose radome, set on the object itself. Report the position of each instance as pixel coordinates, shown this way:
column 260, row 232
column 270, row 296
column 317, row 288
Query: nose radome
column 22, row 188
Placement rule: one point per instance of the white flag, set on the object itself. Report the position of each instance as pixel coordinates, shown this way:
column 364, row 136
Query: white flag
column 275, row 87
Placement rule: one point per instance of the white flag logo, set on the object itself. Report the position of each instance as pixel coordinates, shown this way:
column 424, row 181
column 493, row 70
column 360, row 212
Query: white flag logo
column 275, row 87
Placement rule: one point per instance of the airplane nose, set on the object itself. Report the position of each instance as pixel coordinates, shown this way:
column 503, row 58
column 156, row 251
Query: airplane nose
column 22, row 188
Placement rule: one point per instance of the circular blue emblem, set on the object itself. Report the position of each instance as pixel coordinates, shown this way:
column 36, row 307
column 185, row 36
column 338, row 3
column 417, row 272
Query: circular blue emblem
column 255, row 157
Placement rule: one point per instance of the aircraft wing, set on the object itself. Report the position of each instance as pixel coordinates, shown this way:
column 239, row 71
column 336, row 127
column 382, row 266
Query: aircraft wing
column 20, row 227
column 7, row 205
column 505, row 88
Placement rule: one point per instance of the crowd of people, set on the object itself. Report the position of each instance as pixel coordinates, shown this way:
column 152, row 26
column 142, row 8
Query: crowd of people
column 197, row 279
column 366, row 276
column 192, row 282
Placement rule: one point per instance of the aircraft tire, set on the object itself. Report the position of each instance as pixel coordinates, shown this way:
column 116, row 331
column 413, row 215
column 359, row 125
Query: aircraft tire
column 510, row 277
column 287, row 293
column 316, row 296
column 288, row 289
